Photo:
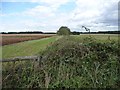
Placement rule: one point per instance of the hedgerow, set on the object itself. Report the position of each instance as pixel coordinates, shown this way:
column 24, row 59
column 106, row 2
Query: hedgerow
column 70, row 63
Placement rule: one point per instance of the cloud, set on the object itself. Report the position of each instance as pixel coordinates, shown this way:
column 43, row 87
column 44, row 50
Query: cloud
column 42, row 11
column 95, row 14
column 52, row 3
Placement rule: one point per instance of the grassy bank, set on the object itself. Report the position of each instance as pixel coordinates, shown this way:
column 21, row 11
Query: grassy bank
column 70, row 62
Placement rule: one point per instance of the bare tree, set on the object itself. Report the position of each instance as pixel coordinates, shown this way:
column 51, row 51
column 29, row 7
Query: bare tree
column 87, row 29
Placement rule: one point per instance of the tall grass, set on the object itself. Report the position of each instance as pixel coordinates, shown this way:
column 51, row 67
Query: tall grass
column 71, row 63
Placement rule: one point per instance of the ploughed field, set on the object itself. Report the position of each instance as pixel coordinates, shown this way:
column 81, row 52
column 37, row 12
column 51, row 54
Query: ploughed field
column 15, row 38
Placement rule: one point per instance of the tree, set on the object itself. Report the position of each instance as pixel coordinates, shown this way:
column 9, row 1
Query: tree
column 63, row 30
column 75, row 33
column 87, row 29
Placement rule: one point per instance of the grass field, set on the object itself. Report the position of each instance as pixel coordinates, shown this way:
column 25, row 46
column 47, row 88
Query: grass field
column 26, row 48
column 100, row 37
column 76, row 61
column 34, row 46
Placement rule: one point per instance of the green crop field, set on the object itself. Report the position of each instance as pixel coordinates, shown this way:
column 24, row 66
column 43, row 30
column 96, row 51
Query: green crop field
column 27, row 48
column 76, row 61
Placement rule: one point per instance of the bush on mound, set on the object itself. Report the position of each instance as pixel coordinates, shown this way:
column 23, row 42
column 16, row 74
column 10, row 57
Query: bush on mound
column 63, row 30
column 75, row 64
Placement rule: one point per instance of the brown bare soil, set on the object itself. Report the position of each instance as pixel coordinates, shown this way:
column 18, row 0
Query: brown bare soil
column 16, row 38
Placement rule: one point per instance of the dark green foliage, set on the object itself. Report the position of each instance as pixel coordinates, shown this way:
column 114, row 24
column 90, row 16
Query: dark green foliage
column 75, row 33
column 63, row 31
column 70, row 63
column 95, row 63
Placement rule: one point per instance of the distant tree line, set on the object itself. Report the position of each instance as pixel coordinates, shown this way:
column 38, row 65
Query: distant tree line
column 63, row 30
column 109, row 32
column 22, row 32
column 30, row 32
column 99, row 32
column 75, row 33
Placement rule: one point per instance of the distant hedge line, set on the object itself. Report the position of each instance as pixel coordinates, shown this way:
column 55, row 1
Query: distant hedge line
column 73, row 33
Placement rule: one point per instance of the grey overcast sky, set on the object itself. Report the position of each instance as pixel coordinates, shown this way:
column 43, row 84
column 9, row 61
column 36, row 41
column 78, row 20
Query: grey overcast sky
column 49, row 15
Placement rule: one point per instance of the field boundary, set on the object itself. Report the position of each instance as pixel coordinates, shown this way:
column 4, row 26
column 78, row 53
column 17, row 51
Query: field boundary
column 25, row 58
